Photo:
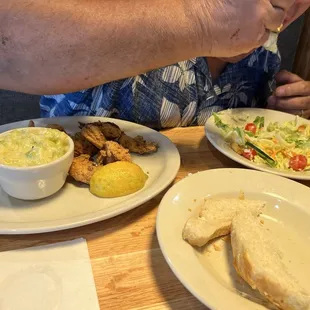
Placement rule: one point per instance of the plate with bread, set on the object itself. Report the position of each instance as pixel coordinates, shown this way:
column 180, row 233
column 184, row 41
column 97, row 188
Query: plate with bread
column 238, row 244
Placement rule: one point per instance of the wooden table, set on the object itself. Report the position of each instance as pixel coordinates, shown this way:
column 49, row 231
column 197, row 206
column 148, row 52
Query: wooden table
column 129, row 269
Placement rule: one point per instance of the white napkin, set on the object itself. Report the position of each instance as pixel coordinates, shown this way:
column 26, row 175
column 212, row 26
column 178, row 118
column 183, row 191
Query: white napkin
column 53, row 277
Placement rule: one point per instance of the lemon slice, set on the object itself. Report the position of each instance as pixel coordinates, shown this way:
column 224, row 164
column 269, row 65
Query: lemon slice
column 117, row 179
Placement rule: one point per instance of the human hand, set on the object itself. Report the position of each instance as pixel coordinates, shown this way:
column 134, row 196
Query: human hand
column 234, row 27
column 293, row 96
column 295, row 11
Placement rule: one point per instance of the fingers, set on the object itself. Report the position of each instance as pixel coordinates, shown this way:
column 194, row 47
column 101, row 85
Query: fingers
column 276, row 14
column 295, row 103
column 286, row 77
column 301, row 88
column 292, row 97
column 271, row 102
column 295, row 11
column 282, row 4
column 274, row 19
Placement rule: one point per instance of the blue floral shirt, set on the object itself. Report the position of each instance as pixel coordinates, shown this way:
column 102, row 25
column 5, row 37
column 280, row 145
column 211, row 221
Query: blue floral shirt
column 182, row 94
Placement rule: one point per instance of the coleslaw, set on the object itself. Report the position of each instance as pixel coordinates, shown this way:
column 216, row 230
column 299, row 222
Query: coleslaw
column 282, row 146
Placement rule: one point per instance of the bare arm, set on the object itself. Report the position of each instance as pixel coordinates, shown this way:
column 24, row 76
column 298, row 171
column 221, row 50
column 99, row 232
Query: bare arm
column 66, row 45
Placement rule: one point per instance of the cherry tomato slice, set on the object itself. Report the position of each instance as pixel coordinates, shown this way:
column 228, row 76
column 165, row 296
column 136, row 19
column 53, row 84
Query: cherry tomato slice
column 250, row 127
column 298, row 162
column 249, row 154
column 301, row 128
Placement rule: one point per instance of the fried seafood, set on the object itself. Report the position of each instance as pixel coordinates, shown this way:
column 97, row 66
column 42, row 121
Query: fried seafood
column 82, row 146
column 31, row 124
column 116, row 152
column 94, row 135
column 111, row 153
column 137, row 145
column 82, row 168
column 101, row 158
column 110, row 130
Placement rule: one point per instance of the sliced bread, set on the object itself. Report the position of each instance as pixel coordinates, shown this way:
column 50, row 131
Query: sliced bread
column 215, row 217
column 259, row 262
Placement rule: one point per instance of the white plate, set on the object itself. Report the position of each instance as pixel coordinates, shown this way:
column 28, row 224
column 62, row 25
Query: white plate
column 214, row 136
column 74, row 205
column 209, row 274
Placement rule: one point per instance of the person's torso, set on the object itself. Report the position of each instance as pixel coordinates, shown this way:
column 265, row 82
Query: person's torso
column 182, row 94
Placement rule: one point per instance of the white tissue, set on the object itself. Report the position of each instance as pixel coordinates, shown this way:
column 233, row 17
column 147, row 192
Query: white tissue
column 57, row 276
column 272, row 43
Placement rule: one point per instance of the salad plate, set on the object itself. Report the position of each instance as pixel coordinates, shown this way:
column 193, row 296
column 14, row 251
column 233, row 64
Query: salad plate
column 263, row 139
column 74, row 205
column 208, row 272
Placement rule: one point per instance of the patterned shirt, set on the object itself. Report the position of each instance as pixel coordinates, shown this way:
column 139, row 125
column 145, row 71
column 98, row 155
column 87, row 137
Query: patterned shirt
column 181, row 94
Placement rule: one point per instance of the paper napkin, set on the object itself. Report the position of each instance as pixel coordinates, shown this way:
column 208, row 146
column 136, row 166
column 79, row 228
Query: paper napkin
column 52, row 277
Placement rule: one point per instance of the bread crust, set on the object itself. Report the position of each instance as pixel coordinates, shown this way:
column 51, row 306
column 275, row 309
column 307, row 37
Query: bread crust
column 215, row 217
column 274, row 289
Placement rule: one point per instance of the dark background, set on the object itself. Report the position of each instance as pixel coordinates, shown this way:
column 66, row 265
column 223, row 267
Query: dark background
column 16, row 106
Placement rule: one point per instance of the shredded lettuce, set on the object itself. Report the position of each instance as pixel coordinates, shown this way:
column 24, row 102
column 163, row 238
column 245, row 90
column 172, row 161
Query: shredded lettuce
column 259, row 121
column 275, row 143
column 219, row 123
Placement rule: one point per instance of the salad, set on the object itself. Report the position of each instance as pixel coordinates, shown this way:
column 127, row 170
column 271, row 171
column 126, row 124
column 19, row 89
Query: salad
column 283, row 146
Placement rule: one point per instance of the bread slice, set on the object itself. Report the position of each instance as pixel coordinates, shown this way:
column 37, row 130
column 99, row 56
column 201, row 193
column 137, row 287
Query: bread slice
column 215, row 217
column 258, row 261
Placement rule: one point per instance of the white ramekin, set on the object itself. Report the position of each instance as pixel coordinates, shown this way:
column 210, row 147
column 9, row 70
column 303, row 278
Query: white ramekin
column 36, row 182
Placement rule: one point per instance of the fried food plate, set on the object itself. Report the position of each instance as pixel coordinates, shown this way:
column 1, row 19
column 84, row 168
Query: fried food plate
column 214, row 136
column 208, row 273
column 74, row 205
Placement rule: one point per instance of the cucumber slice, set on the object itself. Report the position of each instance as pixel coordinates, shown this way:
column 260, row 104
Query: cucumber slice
column 270, row 161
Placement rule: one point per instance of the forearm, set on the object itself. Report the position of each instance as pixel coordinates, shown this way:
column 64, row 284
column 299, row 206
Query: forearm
column 67, row 45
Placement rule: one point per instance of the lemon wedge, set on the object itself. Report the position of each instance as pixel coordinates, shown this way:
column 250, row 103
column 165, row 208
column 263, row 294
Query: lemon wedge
column 117, row 179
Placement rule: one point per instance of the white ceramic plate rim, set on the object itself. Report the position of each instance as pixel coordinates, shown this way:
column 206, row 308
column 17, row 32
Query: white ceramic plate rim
column 215, row 296
column 214, row 136
column 134, row 200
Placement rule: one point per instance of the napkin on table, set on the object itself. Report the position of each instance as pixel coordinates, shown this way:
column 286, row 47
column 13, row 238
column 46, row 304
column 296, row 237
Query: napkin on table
column 51, row 277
